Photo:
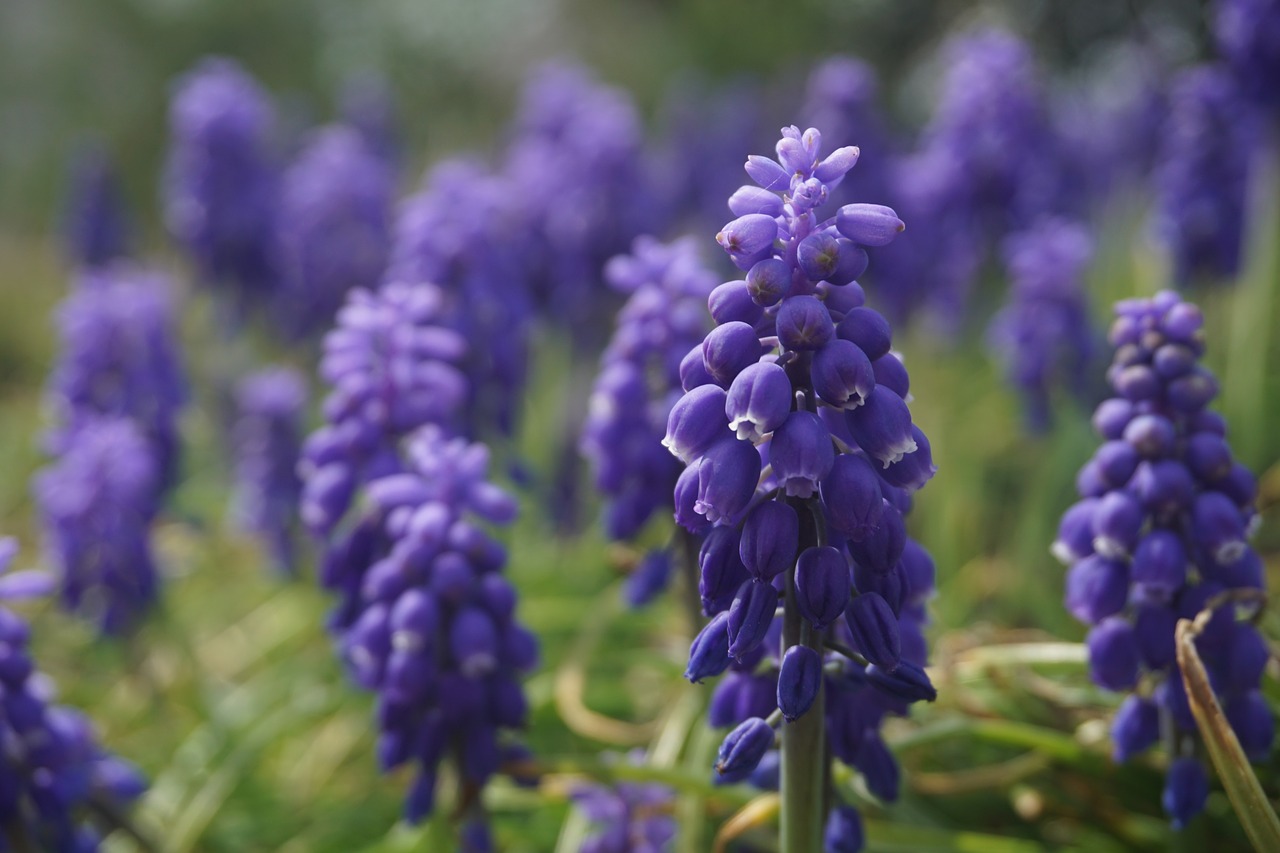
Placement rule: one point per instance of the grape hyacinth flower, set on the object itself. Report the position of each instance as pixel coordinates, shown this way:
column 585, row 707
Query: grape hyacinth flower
column 1202, row 175
column 427, row 621
column 334, row 228
column 1043, row 334
column 392, row 368
column 53, row 772
column 801, row 464
column 120, row 359
column 1248, row 35
column 97, row 501
column 639, row 380
column 267, row 440
column 96, row 230
column 462, row 233
column 221, row 179
column 1160, row 532
column 627, row 817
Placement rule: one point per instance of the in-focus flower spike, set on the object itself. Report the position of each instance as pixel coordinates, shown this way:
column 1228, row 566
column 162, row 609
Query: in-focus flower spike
column 57, row 777
column 267, row 440
column 425, row 618
column 1202, row 174
column 1043, row 334
column 333, row 228
column 97, row 501
column 1159, row 534
column 803, row 461
column 95, row 226
column 120, row 359
column 221, row 179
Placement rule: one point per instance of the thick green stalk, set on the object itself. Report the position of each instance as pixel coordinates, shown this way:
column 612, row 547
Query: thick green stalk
column 804, row 755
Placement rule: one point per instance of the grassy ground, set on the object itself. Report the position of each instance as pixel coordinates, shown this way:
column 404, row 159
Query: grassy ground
column 231, row 700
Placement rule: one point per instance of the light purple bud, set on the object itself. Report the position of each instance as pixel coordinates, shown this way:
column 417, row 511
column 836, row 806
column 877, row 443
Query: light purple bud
column 767, row 173
column 759, row 400
column 473, row 642
column 1192, row 392
column 799, row 680
column 727, row 351
column 818, row 255
column 1209, row 457
column 1173, row 360
column 882, row 426
column 801, row 454
column 841, row 299
column 693, row 371
column 1165, row 488
column 750, row 616
column 837, row 164
column 1112, row 416
column 1151, row 435
column 414, row 619
column 1115, row 461
column 804, row 323
column 1137, row 382
column 731, row 302
column 769, row 281
column 696, row 422
column 822, row 585
column 770, row 537
column 748, row 236
column 748, row 199
column 875, row 630
column 1075, row 532
column 868, row 329
column 869, row 224
column 851, row 492
column 842, row 375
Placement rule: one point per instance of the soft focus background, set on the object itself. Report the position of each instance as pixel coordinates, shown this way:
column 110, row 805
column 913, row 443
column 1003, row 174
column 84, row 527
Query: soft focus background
column 230, row 698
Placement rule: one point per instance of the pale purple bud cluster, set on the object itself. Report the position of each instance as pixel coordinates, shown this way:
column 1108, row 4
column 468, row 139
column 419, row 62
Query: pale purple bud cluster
column 639, row 381
column 427, row 620
column 463, row 233
column 221, row 179
column 627, row 817
column 53, row 771
column 97, row 501
column 576, row 167
column 1248, row 34
column 1043, row 335
column 120, row 359
column 334, row 227
column 95, row 227
column 267, row 440
column 391, row 365
column 802, row 457
column 1202, row 174
column 1161, row 532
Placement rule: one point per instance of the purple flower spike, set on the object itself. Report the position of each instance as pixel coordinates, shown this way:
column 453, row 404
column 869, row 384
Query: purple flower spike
column 758, row 402
column 801, row 454
column 799, row 679
column 822, row 585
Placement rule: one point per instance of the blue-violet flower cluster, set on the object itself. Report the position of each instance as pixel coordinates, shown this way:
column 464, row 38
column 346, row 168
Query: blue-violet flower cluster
column 267, row 441
column 627, row 817
column 1160, row 532
column 53, row 771
column 802, row 459
column 639, row 381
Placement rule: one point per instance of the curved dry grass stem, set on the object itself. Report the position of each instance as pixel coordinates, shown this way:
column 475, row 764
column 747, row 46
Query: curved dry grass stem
column 755, row 813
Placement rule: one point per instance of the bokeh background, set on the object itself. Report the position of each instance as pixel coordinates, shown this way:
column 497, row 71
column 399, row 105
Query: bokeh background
column 230, row 698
